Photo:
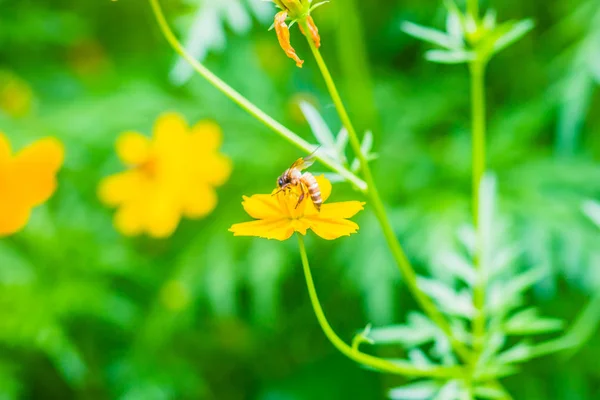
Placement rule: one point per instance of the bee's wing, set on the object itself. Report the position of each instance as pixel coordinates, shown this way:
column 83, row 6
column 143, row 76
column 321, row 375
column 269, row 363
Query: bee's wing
column 302, row 163
column 306, row 162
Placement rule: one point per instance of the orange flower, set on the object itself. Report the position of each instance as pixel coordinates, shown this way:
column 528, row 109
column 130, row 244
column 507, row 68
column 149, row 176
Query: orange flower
column 170, row 175
column 27, row 179
column 277, row 216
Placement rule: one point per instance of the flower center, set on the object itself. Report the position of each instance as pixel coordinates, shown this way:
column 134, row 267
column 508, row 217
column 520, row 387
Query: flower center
column 149, row 168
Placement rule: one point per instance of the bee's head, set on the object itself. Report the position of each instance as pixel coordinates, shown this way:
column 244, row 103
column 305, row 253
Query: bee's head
column 280, row 181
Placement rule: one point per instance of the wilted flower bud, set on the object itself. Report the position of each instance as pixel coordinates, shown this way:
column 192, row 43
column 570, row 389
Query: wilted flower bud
column 295, row 11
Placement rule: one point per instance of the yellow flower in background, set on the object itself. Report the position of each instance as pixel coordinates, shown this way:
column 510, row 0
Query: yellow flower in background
column 170, row 176
column 27, row 179
column 277, row 216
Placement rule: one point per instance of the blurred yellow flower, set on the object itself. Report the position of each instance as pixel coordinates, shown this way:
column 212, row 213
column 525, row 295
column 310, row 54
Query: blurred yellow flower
column 170, row 175
column 27, row 179
column 277, row 216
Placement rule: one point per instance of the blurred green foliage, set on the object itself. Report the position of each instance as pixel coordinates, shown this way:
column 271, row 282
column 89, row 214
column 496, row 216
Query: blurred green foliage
column 86, row 313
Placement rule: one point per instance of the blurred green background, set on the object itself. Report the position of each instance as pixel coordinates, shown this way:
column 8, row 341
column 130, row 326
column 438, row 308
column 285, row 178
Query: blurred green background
column 89, row 314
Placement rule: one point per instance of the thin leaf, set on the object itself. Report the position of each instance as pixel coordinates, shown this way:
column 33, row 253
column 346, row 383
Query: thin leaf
column 454, row 26
column 341, row 141
column 527, row 322
column 592, row 210
column 418, row 358
column 489, row 392
column 318, row 125
column 515, row 32
column 518, row 353
column 430, row 35
column 489, row 19
column 422, row 390
column 458, row 304
column 459, row 267
column 449, row 56
column 452, row 390
column 408, row 336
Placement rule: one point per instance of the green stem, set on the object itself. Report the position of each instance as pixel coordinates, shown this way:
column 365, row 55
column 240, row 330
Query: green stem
column 247, row 105
column 378, row 208
column 477, row 69
column 400, row 368
column 473, row 8
column 354, row 63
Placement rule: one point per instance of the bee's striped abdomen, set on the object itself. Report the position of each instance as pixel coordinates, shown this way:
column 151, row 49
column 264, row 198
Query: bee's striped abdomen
column 313, row 189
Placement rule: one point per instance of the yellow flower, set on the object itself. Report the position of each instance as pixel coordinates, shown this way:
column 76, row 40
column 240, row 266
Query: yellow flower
column 27, row 179
column 277, row 216
column 170, row 175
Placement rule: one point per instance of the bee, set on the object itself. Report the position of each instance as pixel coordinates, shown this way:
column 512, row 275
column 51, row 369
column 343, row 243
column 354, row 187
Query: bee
column 293, row 177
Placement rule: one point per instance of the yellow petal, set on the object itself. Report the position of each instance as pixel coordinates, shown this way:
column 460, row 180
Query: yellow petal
column 344, row 209
column 206, row 137
column 263, row 206
column 333, row 228
column 169, row 130
column 35, row 168
column 199, row 201
column 300, row 225
column 13, row 217
column 120, row 188
column 133, row 148
column 281, row 229
column 214, row 169
column 129, row 219
column 162, row 214
column 4, row 148
column 324, row 186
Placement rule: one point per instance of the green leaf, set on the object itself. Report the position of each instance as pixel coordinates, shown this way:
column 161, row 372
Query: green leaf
column 489, row 19
column 454, row 303
column 527, row 322
column 422, row 390
column 518, row 353
column 449, row 56
column 341, row 141
column 592, row 210
column 489, row 392
column 318, row 125
column 418, row 330
column 513, row 32
column 365, row 147
column 452, row 390
column 454, row 25
column 459, row 267
column 430, row 35
column 419, row 358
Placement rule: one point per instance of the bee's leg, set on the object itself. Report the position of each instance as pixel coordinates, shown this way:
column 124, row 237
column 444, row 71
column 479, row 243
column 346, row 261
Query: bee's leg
column 281, row 189
column 301, row 196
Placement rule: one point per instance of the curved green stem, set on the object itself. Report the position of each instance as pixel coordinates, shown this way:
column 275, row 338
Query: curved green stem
column 400, row 368
column 247, row 105
column 477, row 69
column 378, row 208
